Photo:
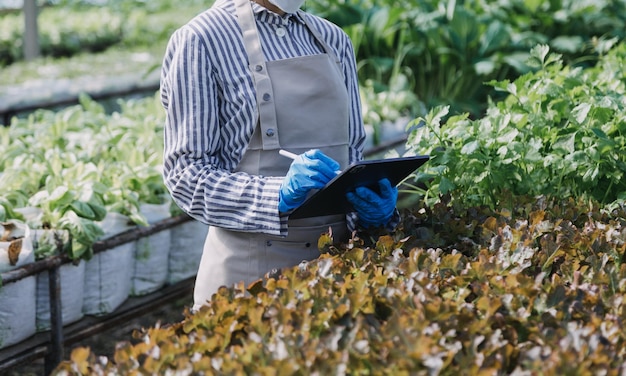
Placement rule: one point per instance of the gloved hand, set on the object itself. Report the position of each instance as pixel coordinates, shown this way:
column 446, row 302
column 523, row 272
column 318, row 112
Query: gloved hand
column 310, row 170
column 374, row 209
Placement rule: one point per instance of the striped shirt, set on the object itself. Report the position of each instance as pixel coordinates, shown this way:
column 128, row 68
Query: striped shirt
column 208, row 93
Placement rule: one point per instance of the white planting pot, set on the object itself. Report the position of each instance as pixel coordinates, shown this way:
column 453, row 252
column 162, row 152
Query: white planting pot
column 17, row 311
column 108, row 274
column 72, row 279
column 17, row 299
column 152, row 253
column 186, row 245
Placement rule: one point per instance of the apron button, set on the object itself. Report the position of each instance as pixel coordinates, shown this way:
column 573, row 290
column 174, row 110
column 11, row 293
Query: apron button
column 269, row 132
column 268, row 243
column 258, row 68
column 308, row 245
column 267, row 97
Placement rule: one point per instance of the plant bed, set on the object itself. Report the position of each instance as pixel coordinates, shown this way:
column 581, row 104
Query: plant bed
column 454, row 291
column 18, row 312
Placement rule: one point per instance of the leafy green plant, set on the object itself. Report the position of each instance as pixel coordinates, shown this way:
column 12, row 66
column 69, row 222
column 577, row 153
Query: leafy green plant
column 444, row 49
column 64, row 32
column 448, row 49
column 388, row 104
column 7, row 210
column 80, row 163
column 73, row 201
column 571, row 28
column 559, row 132
column 114, row 62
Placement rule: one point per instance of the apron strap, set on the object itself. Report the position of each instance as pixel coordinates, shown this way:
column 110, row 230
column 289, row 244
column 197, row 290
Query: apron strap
column 319, row 38
column 266, row 107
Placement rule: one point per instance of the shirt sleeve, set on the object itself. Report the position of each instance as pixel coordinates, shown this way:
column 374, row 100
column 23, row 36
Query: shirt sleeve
column 194, row 169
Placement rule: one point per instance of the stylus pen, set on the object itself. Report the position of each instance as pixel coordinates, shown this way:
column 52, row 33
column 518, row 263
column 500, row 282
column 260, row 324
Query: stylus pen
column 291, row 155
column 287, row 154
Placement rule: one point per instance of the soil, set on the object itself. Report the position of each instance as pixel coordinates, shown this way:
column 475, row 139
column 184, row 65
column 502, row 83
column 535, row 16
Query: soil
column 103, row 344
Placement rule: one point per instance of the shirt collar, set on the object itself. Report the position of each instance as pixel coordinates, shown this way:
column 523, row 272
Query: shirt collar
column 267, row 15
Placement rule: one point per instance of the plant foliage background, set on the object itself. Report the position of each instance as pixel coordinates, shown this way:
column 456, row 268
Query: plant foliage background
column 434, row 52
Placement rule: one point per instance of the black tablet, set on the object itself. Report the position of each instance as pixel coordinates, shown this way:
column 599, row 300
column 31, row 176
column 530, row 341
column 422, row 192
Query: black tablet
column 332, row 198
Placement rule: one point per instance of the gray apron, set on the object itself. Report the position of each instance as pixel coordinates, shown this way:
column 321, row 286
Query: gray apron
column 302, row 104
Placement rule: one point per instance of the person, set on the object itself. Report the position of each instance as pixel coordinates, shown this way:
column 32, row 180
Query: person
column 239, row 82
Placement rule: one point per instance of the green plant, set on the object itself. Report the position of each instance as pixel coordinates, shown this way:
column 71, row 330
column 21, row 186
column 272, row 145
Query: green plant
column 388, row 104
column 559, row 132
column 7, row 210
column 448, row 49
column 444, row 50
column 80, row 163
column 73, row 200
column 571, row 28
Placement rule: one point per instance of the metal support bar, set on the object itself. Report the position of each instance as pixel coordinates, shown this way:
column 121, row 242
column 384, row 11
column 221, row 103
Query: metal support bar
column 138, row 232
column 31, row 30
column 99, row 246
column 55, row 355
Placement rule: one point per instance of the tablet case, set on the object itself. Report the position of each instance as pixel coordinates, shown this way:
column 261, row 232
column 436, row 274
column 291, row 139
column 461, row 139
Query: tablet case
column 332, row 198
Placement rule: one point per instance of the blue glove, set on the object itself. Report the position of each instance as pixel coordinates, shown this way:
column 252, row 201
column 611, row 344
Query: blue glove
column 374, row 209
column 310, row 170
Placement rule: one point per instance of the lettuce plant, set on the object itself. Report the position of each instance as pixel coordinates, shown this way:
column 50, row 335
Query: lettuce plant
column 80, row 163
column 535, row 291
column 73, row 200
